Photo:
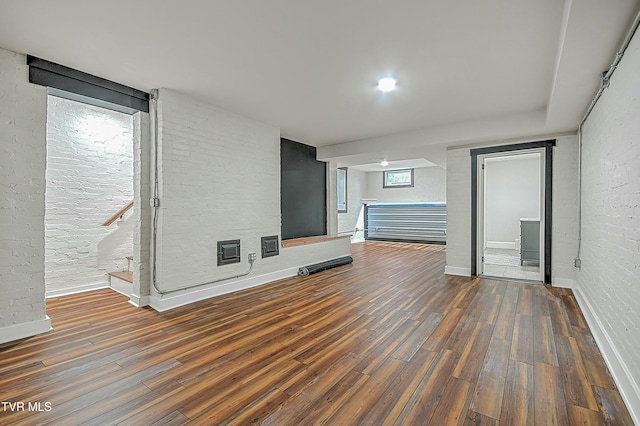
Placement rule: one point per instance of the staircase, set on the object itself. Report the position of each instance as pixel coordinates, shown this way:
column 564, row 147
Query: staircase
column 122, row 281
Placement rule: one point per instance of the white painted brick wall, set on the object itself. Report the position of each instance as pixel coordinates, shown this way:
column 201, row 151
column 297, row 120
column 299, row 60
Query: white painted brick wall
column 610, row 274
column 142, row 210
column 22, row 186
column 565, row 207
column 356, row 188
column 89, row 178
column 219, row 180
column 459, row 209
column 564, row 213
column 332, row 198
column 430, row 185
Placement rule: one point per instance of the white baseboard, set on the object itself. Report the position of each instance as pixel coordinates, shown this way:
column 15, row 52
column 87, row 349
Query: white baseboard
column 139, row 301
column 619, row 370
column 74, row 290
column 455, row 270
column 501, row 245
column 22, row 331
column 563, row 282
column 169, row 301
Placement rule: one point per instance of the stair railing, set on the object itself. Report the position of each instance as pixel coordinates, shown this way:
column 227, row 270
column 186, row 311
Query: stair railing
column 118, row 214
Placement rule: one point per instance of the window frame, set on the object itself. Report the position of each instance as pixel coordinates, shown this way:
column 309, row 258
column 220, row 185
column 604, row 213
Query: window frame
column 385, row 173
column 346, row 202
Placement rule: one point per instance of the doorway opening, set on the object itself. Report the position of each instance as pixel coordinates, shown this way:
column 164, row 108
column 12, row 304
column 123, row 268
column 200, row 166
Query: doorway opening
column 89, row 177
column 511, row 207
column 511, row 198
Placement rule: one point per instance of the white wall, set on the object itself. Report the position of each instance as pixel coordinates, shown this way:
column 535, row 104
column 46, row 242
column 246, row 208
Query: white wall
column 564, row 213
column 356, row 187
column 512, row 191
column 430, row 185
column 458, row 212
column 142, row 209
column 564, row 238
column 219, row 179
column 609, row 280
column 23, row 109
column 89, row 178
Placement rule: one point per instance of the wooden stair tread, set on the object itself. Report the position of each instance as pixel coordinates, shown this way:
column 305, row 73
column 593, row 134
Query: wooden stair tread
column 311, row 240
column 123, row 275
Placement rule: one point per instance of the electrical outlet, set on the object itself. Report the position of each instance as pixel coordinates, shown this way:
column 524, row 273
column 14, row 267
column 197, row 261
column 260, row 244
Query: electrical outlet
column 253, row 257
column 577, row 263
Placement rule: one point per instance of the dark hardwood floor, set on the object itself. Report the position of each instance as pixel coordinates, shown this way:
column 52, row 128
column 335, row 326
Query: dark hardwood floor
column 388, row 339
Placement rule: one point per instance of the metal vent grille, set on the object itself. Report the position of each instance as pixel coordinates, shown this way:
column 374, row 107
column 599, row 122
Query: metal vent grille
column 270, row 246
column 228, row 252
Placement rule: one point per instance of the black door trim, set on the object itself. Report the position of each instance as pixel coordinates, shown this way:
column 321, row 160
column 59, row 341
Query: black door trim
column 548, row 146
column 56, row 76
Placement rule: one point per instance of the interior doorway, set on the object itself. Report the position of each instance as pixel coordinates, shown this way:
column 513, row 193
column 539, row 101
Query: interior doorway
column 511, row 208
column 89, row 177
column 478, row 240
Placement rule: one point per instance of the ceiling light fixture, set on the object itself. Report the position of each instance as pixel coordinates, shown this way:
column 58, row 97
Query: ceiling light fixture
column 387, row 84
column 384, row 163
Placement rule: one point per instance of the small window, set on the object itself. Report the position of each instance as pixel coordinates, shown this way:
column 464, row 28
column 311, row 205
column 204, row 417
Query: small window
column 397, row 178
column 342, row 190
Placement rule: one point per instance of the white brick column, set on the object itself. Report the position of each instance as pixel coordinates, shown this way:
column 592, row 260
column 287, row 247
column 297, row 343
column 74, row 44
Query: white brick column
column 142, row 210
column 23, row 114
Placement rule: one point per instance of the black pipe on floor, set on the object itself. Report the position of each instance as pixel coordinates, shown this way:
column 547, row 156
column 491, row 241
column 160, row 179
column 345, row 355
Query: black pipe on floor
column 323, row 266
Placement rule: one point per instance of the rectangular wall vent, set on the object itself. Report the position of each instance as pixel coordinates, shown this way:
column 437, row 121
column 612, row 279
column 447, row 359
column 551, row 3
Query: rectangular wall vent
column 228, row 252
column 270, row 246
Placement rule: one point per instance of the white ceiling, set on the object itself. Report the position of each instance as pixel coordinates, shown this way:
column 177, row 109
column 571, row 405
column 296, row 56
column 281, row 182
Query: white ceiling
column 467, row 70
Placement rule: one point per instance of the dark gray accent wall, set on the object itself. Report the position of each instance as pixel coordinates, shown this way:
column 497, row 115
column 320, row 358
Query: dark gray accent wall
column 303, row 188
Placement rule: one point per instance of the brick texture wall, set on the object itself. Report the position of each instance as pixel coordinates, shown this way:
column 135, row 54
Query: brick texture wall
column 459, row 211
column 89, row 178
column 565, row 211
column 22, row 186
column 610, row 275
column 356, row 188
column 219, row 179
column 142, row 209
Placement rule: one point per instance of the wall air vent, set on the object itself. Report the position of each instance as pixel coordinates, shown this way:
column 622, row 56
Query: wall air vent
column 228, row 252
column 270, row 246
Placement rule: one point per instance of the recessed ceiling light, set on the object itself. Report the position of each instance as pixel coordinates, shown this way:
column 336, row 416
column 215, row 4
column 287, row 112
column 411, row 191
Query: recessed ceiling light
column 387, row 84
column 384, row 163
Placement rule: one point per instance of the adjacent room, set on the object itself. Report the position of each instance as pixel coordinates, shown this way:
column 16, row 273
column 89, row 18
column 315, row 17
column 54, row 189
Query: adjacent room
column 511, row 213
column 89, row 181
column 341, row 213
